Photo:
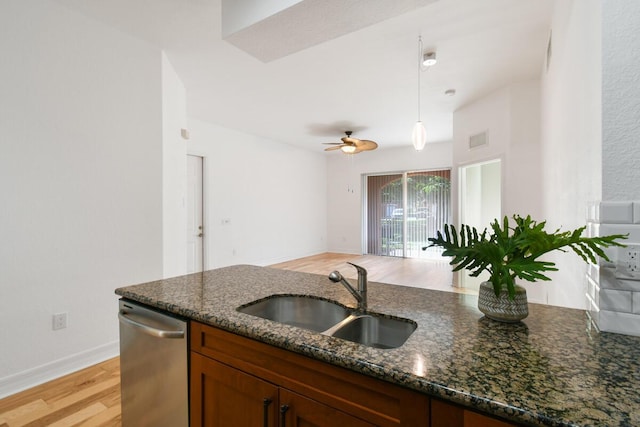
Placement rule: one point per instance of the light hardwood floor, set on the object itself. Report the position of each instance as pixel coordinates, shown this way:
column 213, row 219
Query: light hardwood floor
column 91, row 397
column 422, row 273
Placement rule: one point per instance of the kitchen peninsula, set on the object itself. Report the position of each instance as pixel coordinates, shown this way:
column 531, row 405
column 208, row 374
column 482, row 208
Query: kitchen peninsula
column 551, row 369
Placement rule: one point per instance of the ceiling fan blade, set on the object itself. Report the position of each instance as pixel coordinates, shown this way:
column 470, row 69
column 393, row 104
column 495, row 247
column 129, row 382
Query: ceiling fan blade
column 354, row 144
column 366, row 145
column 336, row 147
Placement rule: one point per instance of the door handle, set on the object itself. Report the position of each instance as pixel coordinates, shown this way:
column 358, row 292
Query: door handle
column 265, row 411
column 283, row 415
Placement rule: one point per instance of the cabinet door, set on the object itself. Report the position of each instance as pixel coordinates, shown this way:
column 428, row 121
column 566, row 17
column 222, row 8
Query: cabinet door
column 473, row 419
column 445, row 414
column 299, row 411
column 222, row 396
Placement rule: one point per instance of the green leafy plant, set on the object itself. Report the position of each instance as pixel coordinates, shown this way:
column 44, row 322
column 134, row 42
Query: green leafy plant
column 507, row 253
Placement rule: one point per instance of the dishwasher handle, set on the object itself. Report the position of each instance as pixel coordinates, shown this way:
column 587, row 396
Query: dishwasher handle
column 149, row 330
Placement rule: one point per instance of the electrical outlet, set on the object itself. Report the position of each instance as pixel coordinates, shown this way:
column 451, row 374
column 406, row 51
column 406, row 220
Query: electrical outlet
column 59, row 321
column 628, row 265
column 631, row 259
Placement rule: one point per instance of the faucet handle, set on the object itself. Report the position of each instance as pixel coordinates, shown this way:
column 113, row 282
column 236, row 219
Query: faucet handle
column 361, row 270
column 335, row 276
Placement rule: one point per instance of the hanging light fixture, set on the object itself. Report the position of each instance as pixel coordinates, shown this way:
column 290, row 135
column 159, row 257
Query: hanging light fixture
column 419, row 135
column 429, row 59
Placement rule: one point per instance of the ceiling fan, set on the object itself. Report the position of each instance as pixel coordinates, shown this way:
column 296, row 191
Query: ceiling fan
column 351, row 145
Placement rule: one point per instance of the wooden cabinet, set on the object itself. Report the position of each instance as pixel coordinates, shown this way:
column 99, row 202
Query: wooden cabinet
column 444, row 414
column 299, row 411
column 246, row 400
column 236, row 381
column 225, row 396
column 232, row 375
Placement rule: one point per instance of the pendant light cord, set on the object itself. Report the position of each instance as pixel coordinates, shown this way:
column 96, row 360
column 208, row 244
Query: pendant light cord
column 419, row 71
column 419, row 134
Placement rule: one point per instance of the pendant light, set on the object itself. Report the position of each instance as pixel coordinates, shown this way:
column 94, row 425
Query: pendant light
column 419, row 135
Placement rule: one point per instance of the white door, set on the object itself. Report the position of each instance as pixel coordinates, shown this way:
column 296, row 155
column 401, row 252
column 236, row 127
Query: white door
column 195, row 224
column 480, row 204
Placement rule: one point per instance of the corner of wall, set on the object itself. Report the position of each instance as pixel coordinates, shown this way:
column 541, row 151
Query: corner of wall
column 613, row 291
column 174, row 172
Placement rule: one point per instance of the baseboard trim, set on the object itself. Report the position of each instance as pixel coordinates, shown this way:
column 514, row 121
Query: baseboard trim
column 41, row 374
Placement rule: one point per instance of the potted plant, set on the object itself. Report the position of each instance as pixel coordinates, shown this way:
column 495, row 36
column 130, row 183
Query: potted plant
column 509, row 252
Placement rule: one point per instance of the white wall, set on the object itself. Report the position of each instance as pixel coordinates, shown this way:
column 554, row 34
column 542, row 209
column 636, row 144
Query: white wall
column 620, row 100
column 511, row 118
column 521, row 181
column 80, row 179
column 344, row 186
column 571, row 136
column 174, row 172
column 265, row 201
column 611, row 294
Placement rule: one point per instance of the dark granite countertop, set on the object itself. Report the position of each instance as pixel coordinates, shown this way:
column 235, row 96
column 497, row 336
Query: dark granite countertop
column 551, row 369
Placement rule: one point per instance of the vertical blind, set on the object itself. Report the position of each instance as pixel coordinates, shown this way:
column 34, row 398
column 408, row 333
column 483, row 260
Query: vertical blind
column 384, row 199
column 404, row 210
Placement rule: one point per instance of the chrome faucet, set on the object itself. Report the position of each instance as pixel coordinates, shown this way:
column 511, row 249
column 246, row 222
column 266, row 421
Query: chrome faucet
column 361, row 293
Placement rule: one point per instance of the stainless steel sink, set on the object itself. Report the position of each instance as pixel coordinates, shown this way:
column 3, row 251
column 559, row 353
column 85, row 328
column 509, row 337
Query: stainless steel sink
column 333, row 319
column 375, row 331
column 298, row 310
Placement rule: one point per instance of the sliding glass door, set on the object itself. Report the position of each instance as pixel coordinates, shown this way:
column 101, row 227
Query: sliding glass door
column 404, row 210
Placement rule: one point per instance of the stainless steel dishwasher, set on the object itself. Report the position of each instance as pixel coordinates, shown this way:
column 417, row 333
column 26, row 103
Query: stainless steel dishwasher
column 153, row 367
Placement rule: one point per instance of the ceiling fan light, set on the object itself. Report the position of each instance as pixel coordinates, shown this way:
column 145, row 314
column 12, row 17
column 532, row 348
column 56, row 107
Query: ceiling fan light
column 349, row 149
column 419, row 136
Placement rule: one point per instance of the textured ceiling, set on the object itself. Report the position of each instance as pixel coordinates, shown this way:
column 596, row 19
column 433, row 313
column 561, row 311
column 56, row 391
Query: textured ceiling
column 364, row 80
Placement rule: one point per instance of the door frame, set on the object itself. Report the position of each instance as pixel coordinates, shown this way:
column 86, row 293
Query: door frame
column 205, row 230
column 462, row 278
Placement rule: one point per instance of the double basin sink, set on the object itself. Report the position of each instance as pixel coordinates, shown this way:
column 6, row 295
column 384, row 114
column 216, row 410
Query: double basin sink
column 333, row 319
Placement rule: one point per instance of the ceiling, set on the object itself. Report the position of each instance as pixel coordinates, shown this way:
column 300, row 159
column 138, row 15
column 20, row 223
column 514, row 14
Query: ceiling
column 364, row 80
